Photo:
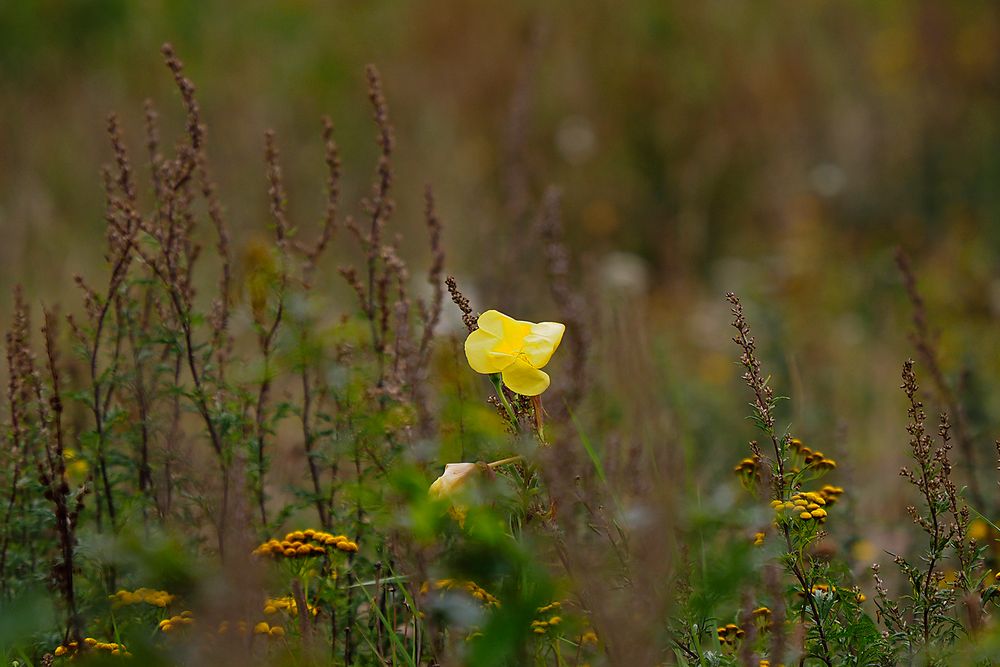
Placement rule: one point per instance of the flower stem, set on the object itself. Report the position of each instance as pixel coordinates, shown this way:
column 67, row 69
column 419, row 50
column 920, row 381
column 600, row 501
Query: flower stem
column 498, row 385
column 536, row 402
column 501, row 462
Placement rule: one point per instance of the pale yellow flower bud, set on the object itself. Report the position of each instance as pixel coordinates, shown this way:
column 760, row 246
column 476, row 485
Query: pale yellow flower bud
column 455, row 475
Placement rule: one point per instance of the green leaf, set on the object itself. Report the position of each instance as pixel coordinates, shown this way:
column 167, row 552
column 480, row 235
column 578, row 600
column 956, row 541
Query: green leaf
column 591, row 452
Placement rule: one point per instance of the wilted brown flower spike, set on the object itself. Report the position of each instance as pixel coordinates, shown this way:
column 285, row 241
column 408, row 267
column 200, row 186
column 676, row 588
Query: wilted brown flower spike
column 463, row 304
column 431, row 314
column 565, row 292
column 329, row 223
column 924, row 342
column 763, row 402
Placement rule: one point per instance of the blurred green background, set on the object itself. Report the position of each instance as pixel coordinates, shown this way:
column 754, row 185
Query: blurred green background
column 780, row 149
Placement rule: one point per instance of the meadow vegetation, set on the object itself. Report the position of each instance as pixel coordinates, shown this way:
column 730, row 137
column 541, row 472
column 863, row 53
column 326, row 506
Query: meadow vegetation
column 213, row 455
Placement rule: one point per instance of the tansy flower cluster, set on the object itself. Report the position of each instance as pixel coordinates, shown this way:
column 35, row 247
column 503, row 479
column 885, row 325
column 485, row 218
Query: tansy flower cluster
column 470, row 587
column 271, row 631
column 181, row 620
column 828, row 589
column 831, row 493
column 541, row 626
column 762, row 616
column 139, row 595
column 76, row 467
column 305, row 543
column 241, row 628
column 747, row 466
column 806, row 505
column 286, row 604
column 729, row 634
column 748, row 470
column 814, row 460
column 91, row 644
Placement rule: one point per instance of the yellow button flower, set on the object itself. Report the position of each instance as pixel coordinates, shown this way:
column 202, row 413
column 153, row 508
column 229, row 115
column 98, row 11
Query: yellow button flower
column 76, row 467
column 979, row 530
column 515, row 349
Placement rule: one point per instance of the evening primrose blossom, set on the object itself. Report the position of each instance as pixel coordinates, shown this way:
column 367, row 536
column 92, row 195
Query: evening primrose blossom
column 457, row 474
column 516, row 350
column 454, row 477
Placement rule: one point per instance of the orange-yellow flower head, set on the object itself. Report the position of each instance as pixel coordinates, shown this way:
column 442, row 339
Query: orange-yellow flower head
column 515, row 349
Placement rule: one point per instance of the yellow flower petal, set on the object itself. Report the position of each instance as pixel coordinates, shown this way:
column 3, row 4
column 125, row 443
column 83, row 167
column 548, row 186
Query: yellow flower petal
column 522, row 378
column 480, row 350
column 455, row 475
column 541, row 343
column 510, row 332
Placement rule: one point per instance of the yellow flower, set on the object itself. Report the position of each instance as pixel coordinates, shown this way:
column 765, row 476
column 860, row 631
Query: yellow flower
column 147, row 595
column 455, row 475
column 349, row 546
column 979, row 530
column 77, row 468
column 515, row 349
column 474, row 589
column 261, row 277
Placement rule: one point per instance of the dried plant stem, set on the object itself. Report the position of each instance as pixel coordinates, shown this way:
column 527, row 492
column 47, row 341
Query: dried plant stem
column 8, row 513
column 379, row 207
column 17, row 447
column 267, row 332
column 932, row 479
column 142, row 390
column 763, row 395
column 923, row 342
column 817, row 619
column 302, row 606
column 53, row 476
column 567, row 297
column 468, row 317
column 309, row 441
